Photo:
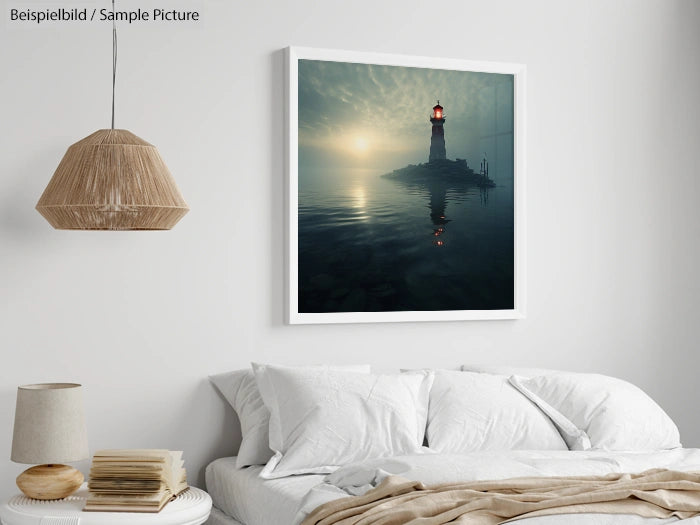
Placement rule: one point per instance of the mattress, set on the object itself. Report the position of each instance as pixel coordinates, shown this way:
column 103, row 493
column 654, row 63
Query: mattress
column 244, row 496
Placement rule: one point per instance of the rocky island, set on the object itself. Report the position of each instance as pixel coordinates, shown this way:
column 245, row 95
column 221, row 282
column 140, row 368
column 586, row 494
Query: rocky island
column 450, row 171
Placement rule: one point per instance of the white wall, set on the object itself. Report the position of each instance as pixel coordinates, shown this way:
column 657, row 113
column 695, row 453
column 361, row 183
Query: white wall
column 141, row 319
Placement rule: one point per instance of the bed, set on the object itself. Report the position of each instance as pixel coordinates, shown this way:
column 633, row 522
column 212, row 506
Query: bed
column 314, row 436
column 240, row 496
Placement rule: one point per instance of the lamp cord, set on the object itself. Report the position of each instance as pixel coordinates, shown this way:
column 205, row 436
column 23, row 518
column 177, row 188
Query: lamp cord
column 114, row 60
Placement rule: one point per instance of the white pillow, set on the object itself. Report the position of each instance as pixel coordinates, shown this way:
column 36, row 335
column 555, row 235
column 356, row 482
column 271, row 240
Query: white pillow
column 574, row 437
column 240, row 389
column 472, row 412
column 321, row 419
column 615, row 414
column 504, row 370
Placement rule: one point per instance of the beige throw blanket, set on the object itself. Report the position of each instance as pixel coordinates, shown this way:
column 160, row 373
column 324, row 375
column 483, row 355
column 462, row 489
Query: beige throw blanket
column 657, row 493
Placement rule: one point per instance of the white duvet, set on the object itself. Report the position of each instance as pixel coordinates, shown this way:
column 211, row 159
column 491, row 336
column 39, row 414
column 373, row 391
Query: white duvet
column 430, row 469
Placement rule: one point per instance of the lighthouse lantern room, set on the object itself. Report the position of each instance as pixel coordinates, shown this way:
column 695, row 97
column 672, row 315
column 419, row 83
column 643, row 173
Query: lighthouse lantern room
column 437, row 140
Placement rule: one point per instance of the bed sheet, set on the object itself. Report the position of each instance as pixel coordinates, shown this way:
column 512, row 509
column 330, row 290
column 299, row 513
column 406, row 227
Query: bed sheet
column 243, row 495
column 217, row 517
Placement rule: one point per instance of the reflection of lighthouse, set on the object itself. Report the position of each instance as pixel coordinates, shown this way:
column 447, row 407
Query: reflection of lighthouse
column 438, row 203
column 437, row 141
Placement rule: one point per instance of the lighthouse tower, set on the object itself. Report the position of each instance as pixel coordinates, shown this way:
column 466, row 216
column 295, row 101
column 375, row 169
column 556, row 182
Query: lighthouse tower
column 437, row 141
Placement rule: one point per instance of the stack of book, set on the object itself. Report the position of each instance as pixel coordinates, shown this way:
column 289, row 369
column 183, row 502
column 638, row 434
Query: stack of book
column 134, row 480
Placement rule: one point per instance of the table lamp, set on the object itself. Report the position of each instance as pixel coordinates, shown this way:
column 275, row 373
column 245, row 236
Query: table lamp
column 49, row 430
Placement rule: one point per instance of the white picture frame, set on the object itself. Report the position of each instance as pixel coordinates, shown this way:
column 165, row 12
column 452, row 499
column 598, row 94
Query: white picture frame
column 292, row 57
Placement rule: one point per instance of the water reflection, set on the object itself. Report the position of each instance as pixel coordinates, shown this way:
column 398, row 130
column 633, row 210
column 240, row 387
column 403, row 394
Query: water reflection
column 396, row 245
column 359, row 203
column 484, row 196
column 359, row 198
column 438, row 203
column 439, row 194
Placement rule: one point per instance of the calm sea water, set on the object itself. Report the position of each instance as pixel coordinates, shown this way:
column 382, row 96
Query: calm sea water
column 369, row 243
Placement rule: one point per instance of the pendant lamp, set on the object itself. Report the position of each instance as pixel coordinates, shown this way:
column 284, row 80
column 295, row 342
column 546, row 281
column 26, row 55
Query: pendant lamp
column 112, row 180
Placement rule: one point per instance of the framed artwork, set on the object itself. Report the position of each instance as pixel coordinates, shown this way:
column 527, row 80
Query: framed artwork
column 406, row 188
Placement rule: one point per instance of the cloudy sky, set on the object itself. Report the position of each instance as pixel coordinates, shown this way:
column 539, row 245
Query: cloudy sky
column 360, row 115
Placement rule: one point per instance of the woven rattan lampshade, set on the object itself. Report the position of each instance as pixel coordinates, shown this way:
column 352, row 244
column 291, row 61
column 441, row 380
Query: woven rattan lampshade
column 112, row 180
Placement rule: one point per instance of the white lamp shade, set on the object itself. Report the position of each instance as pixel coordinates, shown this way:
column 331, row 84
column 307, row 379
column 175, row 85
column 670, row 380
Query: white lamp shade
column 49, row 424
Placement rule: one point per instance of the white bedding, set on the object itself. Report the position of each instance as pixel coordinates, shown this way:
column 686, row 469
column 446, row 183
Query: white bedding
column 218, row 517
column 442, row 468
column 286, row 501
column 245, row 496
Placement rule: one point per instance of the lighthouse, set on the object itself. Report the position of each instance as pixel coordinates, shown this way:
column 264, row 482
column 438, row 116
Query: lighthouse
column 437, row 140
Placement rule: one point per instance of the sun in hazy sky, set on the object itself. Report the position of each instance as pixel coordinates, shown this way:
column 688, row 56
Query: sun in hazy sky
column 378, row 115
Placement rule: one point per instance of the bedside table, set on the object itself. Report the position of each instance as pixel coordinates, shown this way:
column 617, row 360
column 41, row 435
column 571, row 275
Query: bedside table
column 190, row 508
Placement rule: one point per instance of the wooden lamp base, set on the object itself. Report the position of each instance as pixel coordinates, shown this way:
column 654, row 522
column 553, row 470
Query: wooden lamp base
column 49, row 482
